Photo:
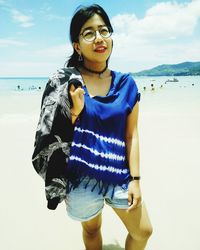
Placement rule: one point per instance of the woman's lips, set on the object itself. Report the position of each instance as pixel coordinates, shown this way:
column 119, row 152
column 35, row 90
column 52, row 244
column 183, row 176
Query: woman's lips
column 100, row 49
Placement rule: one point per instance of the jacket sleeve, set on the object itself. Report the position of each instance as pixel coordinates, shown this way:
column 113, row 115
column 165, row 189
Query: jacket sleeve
column 43, row 136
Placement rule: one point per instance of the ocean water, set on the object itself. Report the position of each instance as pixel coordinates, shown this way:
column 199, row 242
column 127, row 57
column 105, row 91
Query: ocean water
column 37, row 83
column 158, row 95
column 22, row 83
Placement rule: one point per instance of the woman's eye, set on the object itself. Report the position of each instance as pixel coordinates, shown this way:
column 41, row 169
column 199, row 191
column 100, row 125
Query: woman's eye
column 88, row 34
column 104, row 31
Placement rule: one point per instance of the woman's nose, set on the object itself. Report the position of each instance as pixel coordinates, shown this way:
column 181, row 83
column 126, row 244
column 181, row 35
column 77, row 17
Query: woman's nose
column 98, row 36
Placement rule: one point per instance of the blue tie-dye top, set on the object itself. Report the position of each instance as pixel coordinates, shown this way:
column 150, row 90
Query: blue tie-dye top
column 98, row 149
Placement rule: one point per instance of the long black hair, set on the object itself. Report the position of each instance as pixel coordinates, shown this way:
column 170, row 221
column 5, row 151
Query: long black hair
column 80, row 17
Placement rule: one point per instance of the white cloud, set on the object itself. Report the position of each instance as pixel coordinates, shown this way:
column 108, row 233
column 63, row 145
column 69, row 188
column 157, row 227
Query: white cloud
column 51, row 17
column 27, row 68
column 46, row 12
column 156, row 38
column 164, row 19
column 24, row 20
column 7, row 42
column 55, row 52
column 42, row 62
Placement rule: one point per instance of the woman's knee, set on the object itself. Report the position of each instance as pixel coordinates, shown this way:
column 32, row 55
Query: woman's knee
column 91, row 231
column 93, row 227
column 143, row 233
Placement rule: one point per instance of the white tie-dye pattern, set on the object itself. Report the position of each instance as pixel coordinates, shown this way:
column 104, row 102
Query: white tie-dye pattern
column 102, row 154
column 101, row 137
column 99, row 167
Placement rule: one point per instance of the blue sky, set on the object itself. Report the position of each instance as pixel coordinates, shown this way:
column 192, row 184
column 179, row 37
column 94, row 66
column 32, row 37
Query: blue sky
column 34, row 34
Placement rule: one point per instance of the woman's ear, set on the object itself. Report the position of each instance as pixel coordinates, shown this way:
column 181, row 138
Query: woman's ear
column 76, row 46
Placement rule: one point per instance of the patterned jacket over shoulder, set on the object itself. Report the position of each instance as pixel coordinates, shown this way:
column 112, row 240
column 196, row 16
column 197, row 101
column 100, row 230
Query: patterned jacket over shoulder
column 54, row 135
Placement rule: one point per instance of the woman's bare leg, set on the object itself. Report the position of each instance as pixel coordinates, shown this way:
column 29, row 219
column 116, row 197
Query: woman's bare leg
column 138, row 225
column 92, row 233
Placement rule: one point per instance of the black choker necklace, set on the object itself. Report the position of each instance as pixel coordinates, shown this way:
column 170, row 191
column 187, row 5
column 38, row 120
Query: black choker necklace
column 100, row 73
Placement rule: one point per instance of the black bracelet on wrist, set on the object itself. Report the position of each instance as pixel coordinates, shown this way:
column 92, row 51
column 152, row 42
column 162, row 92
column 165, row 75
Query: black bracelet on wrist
column 135, row 178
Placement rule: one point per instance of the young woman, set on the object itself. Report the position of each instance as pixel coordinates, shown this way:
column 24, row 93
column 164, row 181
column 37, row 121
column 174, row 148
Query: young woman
column 87, row 145
column 105, row 148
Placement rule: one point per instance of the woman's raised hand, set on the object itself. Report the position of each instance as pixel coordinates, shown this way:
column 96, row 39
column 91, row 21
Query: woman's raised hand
column 77, row 96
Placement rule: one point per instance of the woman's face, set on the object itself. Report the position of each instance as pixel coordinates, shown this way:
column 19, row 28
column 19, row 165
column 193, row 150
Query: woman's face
column 98, row 50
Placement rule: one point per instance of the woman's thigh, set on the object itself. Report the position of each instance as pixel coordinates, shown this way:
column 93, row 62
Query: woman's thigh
column 136, row 221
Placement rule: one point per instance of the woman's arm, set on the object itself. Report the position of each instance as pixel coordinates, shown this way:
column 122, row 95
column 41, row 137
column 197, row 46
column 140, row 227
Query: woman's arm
column 132, row 141
column 133, row 156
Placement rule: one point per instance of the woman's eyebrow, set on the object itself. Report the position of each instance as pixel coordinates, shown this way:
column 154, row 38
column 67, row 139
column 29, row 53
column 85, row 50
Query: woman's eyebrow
column 91, row 28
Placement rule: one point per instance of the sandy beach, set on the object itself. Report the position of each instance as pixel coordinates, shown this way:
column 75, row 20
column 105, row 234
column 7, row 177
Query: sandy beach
column 169, row 123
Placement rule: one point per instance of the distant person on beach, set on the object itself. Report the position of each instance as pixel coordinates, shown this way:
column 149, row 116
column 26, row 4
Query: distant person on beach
column 103, row 164
column 152, row 87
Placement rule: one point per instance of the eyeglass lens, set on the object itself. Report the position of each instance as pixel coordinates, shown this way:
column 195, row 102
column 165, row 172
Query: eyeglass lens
column 90, row 35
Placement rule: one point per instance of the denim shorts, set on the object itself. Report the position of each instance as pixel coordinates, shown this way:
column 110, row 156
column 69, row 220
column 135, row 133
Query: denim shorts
column 84, row 204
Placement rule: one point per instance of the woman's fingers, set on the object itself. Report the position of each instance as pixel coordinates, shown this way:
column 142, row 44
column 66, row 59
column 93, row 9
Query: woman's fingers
column 77, row 94
column 136, row 203
column 80, row 91
column 130, row 199
column 74, row 92
column 72, row 88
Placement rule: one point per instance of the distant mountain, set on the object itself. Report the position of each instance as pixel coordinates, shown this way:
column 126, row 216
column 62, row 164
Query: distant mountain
column 181, row 69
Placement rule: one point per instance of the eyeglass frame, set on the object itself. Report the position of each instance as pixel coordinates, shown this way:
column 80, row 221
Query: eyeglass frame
column 95, row 32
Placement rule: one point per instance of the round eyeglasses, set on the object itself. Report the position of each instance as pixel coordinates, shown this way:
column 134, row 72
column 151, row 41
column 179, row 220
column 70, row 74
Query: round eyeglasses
column 90, row 35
